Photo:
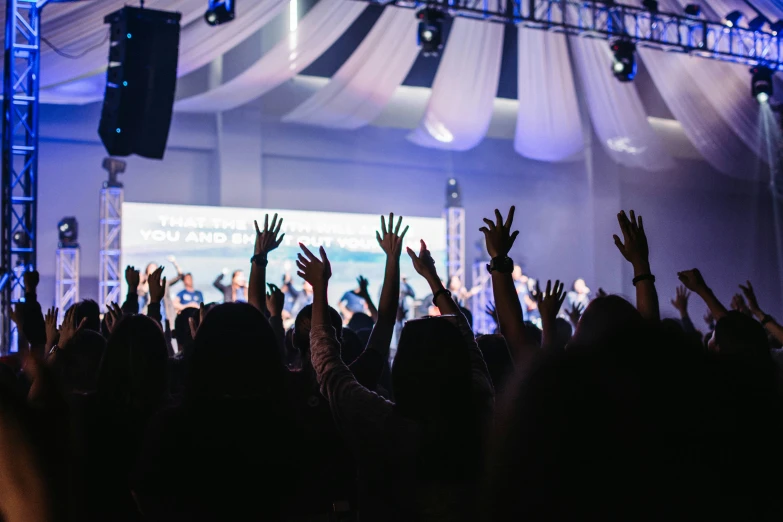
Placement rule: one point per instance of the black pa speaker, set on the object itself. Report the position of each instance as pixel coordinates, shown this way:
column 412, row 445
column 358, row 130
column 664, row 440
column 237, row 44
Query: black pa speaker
column 140, row 82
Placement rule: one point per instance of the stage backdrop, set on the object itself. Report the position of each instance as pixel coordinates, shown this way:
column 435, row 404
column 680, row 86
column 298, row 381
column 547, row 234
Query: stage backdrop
column 209, row 240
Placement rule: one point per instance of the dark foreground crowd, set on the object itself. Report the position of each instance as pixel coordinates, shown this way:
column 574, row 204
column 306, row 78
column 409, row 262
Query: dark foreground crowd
column 624, row 417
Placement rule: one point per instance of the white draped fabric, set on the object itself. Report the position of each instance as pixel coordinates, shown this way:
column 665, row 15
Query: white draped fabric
column 315, row 33
column 463, row 92
column 549, row 127
column 618, row 116
column 703, row 126
column 360, row 90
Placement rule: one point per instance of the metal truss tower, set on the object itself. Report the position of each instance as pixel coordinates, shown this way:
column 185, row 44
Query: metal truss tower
column 20, row 154
column 482, row 323
column 66, row 279
column 111, row 273
column 609, row 20
column 455, row 232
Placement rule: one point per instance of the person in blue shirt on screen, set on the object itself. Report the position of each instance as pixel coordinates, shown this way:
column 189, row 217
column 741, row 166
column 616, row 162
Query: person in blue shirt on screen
column 189, row 297
column 352, row 302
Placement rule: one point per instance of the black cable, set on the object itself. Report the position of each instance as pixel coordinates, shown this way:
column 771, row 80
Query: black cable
column 79, row 55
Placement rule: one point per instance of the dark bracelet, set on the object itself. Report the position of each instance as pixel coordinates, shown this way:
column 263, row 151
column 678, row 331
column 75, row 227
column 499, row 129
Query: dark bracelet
column 440, row 292
column 766, row 319
column 260, row 260
column 643, row 277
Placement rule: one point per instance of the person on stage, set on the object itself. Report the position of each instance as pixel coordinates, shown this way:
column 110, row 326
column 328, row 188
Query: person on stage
column 236, row 292
column 167, row 311
column 189, row 297
column 352, row 302
column 295, row 299
column 458, row 291
column 524, row 286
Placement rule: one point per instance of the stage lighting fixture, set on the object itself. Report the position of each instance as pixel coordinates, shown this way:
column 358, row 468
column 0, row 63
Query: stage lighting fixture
column 761, row 86
column 651, row 5
column 21, row 239
column 757, row 23
column 733, row 19
column 453, row 194
column 693, row 9
column 624, row 63
column 777, row 27
column 68, row 232
column 220, row 11
column 430, row 31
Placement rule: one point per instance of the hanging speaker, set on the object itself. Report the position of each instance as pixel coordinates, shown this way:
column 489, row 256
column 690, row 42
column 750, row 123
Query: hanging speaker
column 140, row 82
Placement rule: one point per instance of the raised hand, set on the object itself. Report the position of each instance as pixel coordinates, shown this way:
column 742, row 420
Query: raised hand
column 133, row 278
column 575, row 313
column 363, row 286
column 693, row 281
column 390, row 239
column 423, row 263
column 750, row 295
column 633, row 246
column 275, row 300
column 113, row 316
column 202, row 313
column 498, row 234
column 680, row 301
column 490, row 311
column 312, row 269
column 267, row 239
column 157, row 285
column 52, row 333
column 69, row 327
column 31, row 279
column 550, row 300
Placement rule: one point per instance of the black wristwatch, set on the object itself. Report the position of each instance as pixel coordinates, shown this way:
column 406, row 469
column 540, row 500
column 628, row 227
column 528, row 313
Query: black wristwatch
column 501, row 264
column 259, row 259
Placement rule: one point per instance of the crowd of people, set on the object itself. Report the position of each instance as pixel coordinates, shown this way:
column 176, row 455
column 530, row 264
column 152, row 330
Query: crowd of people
column 602, row 411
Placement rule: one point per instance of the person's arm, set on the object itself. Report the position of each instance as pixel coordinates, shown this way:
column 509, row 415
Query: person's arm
column 157, row 293
column 180, row 273
column 356, row 409
column 694, row 282
column 365, row 294
column 482, row 382
column 218, row 283
column 131, row 304
column 636, row 251
column 767, row 321
column 275, row 302
column 499, row 240
column 266, row 241
column 369, row 365
column 549, row 303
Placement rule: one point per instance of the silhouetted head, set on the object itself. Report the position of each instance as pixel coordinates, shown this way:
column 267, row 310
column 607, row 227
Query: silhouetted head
column 607, row 318
column 532, row 334
column 182, row 328
column 302, row 326
column 78, row 365
column 89, row 309
column 431, row 371
column 235, row 355
column 498, row 358
column 133, row 370
column 351, row 347
column 739, row 334
column 360, row 321
column 468, row 315
column 563, row 333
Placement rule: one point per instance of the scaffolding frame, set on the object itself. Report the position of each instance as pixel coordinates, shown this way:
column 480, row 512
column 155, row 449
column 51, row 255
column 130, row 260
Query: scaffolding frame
column 66, row 280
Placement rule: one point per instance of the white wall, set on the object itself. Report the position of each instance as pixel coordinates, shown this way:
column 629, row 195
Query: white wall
column 566, row 212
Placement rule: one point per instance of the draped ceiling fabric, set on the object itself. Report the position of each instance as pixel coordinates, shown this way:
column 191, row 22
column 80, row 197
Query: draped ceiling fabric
column 361, row 88
column 463, row 93
column 549, row 127
column 616, row 110
column 315, row 33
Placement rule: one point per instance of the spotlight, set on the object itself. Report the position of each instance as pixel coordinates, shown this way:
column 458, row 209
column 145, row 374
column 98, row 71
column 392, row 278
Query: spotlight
column 777, row 27
column 430, row 31
column 732, row 19
column 21, row 239
column 220, row 11
column 624, row 64
column 453, row 194
column 693, row 9
column 757, row 23
column 68, row 232
column 651, row 5
column 761, row 86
